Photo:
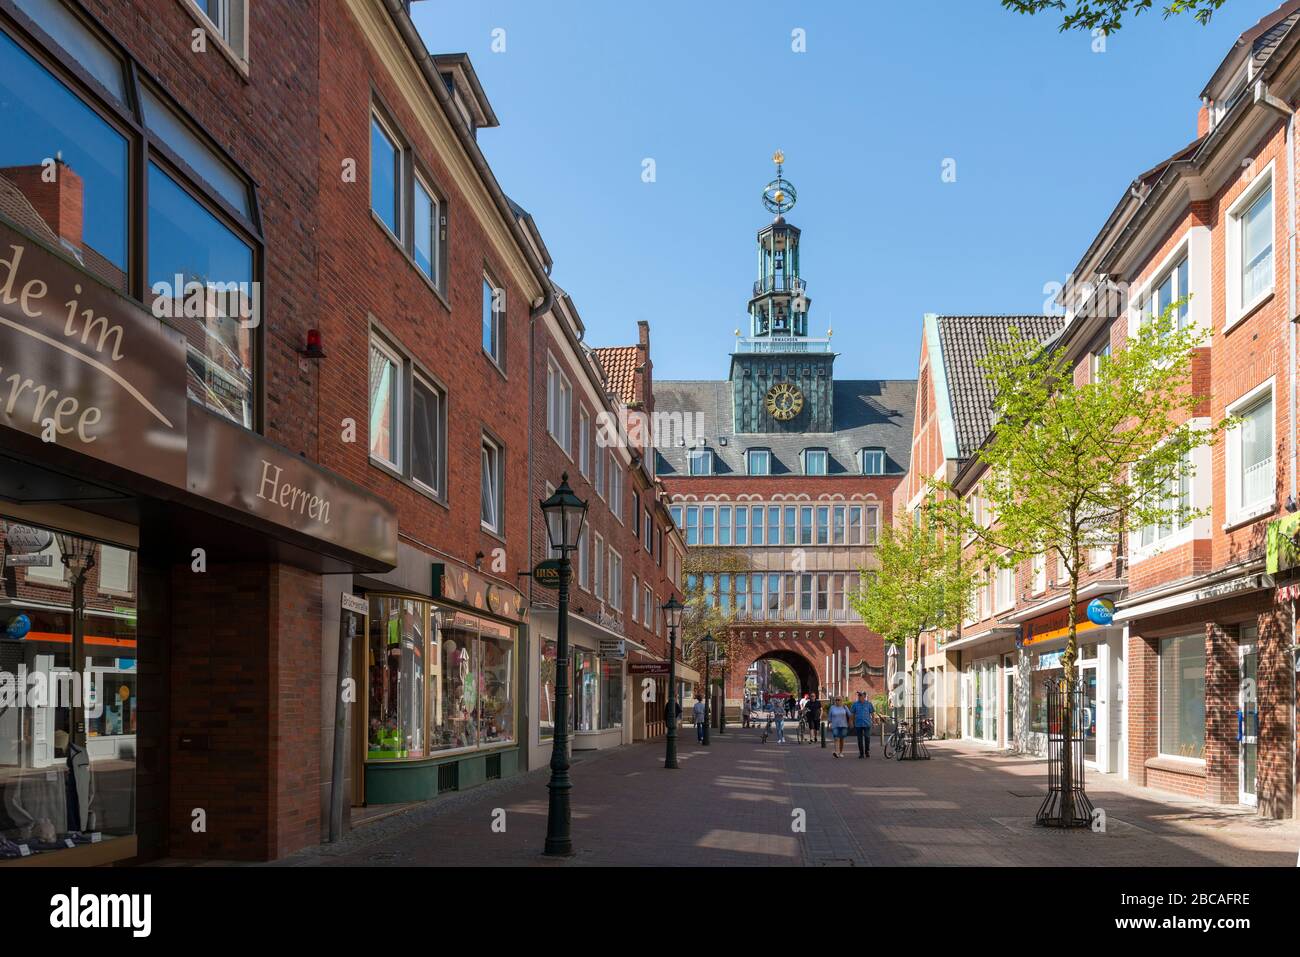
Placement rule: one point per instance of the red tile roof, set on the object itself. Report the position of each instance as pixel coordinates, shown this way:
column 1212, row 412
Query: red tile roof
column 622, row 368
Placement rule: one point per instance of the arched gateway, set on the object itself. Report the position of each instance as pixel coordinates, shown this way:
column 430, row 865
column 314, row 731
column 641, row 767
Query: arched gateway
column 781, row 475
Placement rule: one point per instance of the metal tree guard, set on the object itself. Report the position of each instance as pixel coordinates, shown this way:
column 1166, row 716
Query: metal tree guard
column 1066, row 804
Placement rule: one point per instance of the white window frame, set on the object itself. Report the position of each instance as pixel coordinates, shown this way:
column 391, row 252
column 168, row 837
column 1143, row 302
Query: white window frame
column 872, row 451
column 498, row 475
column 439, row 438
column 1235, row 309
column 1005, row 589
column 435, row 220
column 704, row 455
column 559, row 406
column 229, row 29
column 598, row 568
column 825, row 460
column 584, row 442
column 616, row 480
column 749, row 461
column 398, row 426
column 399, row 184
column 636, row 598
column 1238, row 514
column 1039, row 571
column 584, row 558
column 497, row 317
column 615, row 580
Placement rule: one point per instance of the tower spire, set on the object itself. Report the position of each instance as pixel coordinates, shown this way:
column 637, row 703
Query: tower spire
column 779, row 306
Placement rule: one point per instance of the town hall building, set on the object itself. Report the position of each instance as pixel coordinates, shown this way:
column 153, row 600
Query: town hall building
column 791, row 471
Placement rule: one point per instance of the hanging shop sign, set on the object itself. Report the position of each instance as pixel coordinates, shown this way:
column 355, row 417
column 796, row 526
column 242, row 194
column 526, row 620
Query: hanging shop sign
column 84, row 368
column 1101, row 611
column 23, row 539
column 547, row 573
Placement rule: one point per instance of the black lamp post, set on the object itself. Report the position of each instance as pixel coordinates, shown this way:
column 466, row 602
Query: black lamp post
column 708, row 689
column 564, row 513
column 672, row 610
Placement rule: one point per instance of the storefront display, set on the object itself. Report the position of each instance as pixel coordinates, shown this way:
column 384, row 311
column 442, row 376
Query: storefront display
column 62, row 786
column 546, row 683
column 465, row 699
column 586, row 682
column 611, row 693
column 1182, row 696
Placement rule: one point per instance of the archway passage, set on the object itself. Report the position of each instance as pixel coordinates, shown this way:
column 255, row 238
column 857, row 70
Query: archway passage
column 804, row 671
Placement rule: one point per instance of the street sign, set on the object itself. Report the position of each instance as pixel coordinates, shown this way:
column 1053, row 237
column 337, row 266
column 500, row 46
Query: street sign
column 649, row 668
column 613, row 648
column 29, row 561
column 547, row 573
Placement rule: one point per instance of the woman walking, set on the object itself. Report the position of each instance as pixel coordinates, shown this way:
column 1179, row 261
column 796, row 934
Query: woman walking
column 839, row 717
column 778, row 715
column 814, row 714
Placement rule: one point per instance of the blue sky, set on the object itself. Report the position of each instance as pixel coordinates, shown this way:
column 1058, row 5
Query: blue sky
column 1045, row 134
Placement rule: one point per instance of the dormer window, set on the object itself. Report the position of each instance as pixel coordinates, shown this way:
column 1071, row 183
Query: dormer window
column 814, row 461
column 700, row 461
column 759, row 461
column 871, row 461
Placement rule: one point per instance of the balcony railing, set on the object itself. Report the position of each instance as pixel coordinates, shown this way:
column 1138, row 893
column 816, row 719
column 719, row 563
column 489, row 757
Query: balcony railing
column 779, row 284
column 782, row 344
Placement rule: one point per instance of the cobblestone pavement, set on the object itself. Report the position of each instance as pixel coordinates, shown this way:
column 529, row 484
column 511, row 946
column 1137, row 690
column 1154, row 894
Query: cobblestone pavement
column 737, row 803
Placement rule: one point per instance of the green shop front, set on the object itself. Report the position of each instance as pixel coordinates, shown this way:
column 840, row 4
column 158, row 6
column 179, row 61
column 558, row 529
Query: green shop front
column 439, row 674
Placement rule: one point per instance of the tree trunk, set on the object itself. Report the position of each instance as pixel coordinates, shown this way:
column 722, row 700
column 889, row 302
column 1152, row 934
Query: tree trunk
column 1067, row 709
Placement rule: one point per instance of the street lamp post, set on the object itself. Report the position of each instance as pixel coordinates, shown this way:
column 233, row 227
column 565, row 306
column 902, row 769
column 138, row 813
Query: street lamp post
column 708, row 685
column 564, row 513
column 672, row 610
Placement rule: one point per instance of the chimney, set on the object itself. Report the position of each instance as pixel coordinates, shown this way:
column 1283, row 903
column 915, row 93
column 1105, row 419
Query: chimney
column 56, row 193
column 645, row 381
column 1203, row 119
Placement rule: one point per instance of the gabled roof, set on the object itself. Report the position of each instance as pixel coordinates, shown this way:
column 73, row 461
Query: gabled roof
column 622, row 366
column 1261, row 40
column 963, row 342
column 869, row 413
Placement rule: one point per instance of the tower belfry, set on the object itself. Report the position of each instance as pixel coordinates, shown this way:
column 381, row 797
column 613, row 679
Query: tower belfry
column 779, row 306
column 782, row 380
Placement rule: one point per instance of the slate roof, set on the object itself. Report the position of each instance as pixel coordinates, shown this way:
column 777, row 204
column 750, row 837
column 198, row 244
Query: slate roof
column 620, row 363
column 869, row 413
column 1262, row 39
column 963, row 342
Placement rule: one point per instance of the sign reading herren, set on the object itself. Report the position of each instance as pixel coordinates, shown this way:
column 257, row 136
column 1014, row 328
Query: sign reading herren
column 85, row 368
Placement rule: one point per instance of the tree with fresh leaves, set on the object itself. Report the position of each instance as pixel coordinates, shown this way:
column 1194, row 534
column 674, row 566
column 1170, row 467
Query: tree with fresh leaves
column 1109, row 15
column 922, row 584
column 703, row 613
column 1072, row 466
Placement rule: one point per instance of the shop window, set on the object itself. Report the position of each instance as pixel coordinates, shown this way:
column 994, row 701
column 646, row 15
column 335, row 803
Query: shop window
column 64, row 170
column 611, row 693
column 397, row 678
column 495, row 705
column 61, row 788
column 546, row 674
column 586, row 687
column 1182, row 696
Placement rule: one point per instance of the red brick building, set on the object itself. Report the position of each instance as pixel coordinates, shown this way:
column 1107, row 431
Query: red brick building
column 1192, row 686
column 295, row 395
column 791, row 471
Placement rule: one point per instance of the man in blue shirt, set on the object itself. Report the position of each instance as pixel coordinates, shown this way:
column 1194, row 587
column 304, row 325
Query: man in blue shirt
column 863, row 712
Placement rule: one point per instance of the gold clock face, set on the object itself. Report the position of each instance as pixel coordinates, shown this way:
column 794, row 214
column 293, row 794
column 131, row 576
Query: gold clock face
column 784, row 401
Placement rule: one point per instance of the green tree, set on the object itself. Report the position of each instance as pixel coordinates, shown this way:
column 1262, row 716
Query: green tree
column 1073, row 466
column 703, row 613
column 923, row 584
column 781, row 678
column 1109, row 15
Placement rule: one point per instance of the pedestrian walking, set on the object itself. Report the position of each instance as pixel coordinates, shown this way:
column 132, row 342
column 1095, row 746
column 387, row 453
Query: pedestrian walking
column 813, row 714
column 698, row 712
column 839, row 717
column 863, row 713
column 744, row 712
column 778, row 715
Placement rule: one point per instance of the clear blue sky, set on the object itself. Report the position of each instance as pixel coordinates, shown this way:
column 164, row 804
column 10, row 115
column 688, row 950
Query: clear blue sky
column 1046, row 134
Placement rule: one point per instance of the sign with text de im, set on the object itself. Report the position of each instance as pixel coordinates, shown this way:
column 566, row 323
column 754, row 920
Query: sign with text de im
column 650, row 668
column 613, row 648
column 85, row 368
column 547, row 573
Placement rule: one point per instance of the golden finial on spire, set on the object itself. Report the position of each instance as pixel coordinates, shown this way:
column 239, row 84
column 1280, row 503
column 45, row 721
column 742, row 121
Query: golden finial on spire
column 778, row 157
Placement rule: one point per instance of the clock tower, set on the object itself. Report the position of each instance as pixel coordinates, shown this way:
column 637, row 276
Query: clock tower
column 781, row 380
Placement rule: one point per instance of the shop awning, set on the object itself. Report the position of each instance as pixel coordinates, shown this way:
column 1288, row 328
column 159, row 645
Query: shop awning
column 984, row 637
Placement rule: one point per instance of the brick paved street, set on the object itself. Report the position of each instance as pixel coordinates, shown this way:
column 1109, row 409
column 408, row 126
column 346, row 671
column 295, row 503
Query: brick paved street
column 733, row 804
